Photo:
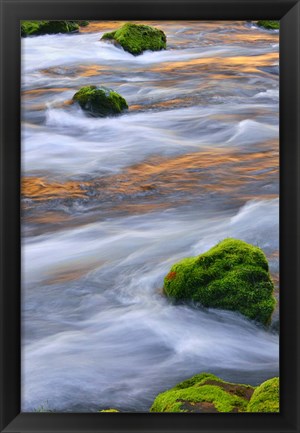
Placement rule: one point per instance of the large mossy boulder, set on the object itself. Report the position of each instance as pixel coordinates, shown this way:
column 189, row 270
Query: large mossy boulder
column 268, row 24
column 35, row 28
column 136, row 38
column 265, row 397
column 233, row 275
column 204, row 393
column 100, row 101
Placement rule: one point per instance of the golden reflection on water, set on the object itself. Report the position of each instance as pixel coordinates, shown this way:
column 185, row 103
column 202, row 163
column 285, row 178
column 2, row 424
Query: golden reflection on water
column 38, row 188
column 32, row 93
column 256, row 35
column 107, row 26
column 214, row 170
column 242, row 64
column 171, row 103
column 64, row 275
column 90, row 71
column 51, row 217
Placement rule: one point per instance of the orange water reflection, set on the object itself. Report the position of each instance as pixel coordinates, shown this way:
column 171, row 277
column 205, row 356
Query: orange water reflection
column 217, row 170
column 37, row 188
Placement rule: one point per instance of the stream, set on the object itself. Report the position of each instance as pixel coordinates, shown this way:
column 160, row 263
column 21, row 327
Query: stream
column 109, row 204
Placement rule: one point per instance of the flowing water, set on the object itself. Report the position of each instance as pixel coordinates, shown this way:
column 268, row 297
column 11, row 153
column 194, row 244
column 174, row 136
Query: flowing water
column 109, row 204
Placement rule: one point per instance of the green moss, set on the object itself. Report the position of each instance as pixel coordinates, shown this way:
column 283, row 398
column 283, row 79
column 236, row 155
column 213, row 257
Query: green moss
column 137, row 38
column 29, row 28
column 82, row 23
column 265, row 397
column 269, row 24
column 100, row 101
column 43, row 408
column 109, row 410
column 233, row 275
column 197, row 379
column 204, row 393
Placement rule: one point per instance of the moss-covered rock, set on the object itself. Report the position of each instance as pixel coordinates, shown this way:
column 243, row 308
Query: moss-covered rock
column 233, row 275
column 109, row 410
column 29, row 28
column 268, row 24
column 136, row 38
column 204, row 393
column 82, row 23
column 265, row 397
column 100, row 101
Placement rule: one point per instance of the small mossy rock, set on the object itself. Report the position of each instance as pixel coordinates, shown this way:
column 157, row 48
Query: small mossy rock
column 82, row 23
column 233, row 275
column 30, row 28
column 109, row 410
column 136, row 38
column 265, row 397
column 204, row 393
column 100, row 101
column 268, row 24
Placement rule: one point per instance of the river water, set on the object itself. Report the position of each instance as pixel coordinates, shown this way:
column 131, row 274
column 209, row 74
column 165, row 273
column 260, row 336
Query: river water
column 109, row 204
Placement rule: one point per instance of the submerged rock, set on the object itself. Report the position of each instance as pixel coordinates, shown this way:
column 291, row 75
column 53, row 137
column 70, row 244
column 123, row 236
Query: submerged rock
column 233, row 275
column 268, row 24
column 136, row 38
column 265, row 397
column 100, row 101
column 204, row 393
column 29, row 28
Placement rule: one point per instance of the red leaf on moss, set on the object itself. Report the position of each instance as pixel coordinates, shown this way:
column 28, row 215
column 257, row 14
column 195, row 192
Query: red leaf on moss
column 171, row 276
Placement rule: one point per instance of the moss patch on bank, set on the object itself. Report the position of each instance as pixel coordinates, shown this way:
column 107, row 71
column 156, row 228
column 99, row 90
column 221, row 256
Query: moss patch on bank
column 100, row 101
column 109, row 410
column 269, row 24
column 265, row 397
column 204, row 393
column 233, row 275
column 136, row 38
column 82, row 23
column 35, row 28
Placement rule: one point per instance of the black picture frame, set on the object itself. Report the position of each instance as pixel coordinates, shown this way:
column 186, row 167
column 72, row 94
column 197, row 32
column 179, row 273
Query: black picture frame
column 288, row 12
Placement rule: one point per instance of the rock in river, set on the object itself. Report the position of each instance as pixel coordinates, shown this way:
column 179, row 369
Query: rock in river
column 136, row 38
column 233, row 275
column 269, row 24
column 35, row 28
column 100, row 101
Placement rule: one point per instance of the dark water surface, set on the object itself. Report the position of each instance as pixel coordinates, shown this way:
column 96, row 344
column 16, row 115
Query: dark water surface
column 110, row 204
